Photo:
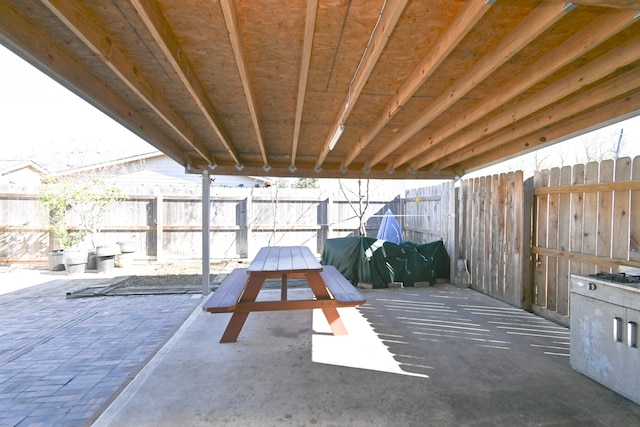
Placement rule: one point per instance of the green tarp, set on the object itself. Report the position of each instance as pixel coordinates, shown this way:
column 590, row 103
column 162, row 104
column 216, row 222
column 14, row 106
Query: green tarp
column 369, row 260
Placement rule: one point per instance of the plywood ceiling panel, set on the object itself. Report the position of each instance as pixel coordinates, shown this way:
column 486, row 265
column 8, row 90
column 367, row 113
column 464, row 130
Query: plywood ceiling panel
column 424, row 89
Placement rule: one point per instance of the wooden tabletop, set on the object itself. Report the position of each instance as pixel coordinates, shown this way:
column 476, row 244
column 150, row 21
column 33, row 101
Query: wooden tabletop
column 284, row 260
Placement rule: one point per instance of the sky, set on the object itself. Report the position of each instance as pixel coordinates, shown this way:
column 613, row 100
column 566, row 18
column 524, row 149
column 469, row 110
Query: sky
column 39, row 115
column 40, row 118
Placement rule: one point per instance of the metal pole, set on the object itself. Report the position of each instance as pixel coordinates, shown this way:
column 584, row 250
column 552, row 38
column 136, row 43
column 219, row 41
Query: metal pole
column 206, row 230
column 619, row 141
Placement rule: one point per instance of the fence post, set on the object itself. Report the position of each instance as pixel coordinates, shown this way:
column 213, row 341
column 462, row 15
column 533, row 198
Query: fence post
column 329, row 218
column 527, row 245
column 455, row 227
column 451, row 224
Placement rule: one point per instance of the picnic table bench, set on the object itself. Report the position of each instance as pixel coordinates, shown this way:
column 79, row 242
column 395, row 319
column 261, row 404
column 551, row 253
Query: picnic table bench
column 238, row 291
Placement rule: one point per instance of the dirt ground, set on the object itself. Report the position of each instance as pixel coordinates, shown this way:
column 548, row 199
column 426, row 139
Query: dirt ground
column 169, row 274
column 183, row 273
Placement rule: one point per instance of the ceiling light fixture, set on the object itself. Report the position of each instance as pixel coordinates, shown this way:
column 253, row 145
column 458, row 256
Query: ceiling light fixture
column 212, row 166
column 336, row 136
column 266, row 168
column 293, row 168
column 340, row 129
column 318, row 169
column 239, row 166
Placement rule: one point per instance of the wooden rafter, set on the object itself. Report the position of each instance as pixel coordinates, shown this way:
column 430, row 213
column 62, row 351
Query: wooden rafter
column 381, row 33
column 164, row 36
column 589, row 73
column 309, row 30
column 453, row 34
column 233, row 26
column 619, row 4
column 540, row 19
column 86, row 85
column 144, row 63
column 623, row 107
column 74, row 17
column 584, row 40
column 612, row 89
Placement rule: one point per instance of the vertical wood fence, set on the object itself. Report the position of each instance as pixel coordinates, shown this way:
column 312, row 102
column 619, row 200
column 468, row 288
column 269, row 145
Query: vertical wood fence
column 165, row 222
column 494, row 235
column 522, row 239
column 587, row 221
column 429, row 215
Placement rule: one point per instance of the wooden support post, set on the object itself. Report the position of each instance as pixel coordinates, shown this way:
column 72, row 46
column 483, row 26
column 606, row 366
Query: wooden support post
column 206, row 230
column 248, row 220
column 159, row 226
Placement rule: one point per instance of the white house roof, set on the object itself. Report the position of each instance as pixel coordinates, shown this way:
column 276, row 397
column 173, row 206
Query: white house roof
column 11, row 166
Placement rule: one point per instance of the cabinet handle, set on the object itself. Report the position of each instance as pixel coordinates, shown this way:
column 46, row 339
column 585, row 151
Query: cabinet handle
column 617, row 329
column 632, row 327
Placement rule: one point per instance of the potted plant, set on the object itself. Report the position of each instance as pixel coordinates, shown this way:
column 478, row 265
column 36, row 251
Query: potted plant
column 84, row 201
column 58, row 199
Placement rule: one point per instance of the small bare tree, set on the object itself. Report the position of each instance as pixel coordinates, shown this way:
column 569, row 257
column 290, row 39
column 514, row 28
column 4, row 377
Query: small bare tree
column 362, row 197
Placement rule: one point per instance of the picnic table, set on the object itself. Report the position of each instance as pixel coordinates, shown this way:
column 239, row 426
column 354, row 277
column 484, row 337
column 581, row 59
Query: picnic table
column 239, row 291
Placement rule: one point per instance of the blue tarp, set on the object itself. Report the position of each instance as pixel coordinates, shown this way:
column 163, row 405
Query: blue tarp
column 390, row 230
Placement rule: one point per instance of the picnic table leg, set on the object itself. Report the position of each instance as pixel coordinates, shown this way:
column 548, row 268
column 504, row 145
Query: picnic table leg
column 234, row 327
column 239, row 317
column 319, row 289
column 335, row 322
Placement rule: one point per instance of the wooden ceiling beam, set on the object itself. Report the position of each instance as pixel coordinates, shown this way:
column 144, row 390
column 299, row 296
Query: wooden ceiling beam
column 233, row 26
column 611, row 112
column 463, row 22
column 587, row 38
column 309, row 31
column 534, row 24
column 618, row 4
column 582, row 77
column 380, row 35
column 164, row 36
column 306, row 170
column 559, row 113
column 76, row 19
column 34, row 46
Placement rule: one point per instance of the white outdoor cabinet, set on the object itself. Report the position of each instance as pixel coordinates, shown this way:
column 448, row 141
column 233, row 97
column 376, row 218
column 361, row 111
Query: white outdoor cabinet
column 604, row 333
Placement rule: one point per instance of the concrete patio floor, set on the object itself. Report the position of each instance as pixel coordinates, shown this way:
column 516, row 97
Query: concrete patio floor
column 439, row 356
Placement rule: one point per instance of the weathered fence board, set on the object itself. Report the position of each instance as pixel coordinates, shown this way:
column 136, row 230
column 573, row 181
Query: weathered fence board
column 634, row 212
column 165, row 222
column 541, row 215
column 593, row 228
column 492, row 210
column 577, row 217
column 426, row 213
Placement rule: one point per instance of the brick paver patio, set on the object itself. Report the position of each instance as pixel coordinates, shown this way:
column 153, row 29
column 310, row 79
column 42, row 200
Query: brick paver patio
column 63, row 360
